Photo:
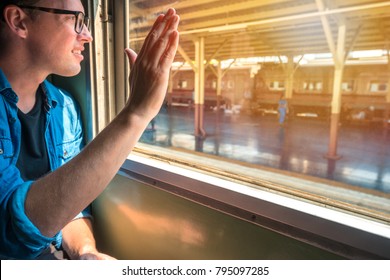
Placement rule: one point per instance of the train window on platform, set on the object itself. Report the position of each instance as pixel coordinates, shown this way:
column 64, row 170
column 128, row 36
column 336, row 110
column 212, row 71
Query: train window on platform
column 276, row 85
column 230, row 84
column 378, row 87
column 312, row 87
column 310, row 147
column 182, row 84
column 347, row 86
column 318, row 86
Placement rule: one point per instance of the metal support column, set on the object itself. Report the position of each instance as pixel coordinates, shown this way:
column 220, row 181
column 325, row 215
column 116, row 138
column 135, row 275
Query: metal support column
column 289, row 77
column 387, row 104
column 339, row 60
column 199, row 88
column 219, row 85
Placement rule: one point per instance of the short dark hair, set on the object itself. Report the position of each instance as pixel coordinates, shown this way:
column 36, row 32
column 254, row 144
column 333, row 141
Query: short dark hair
column 5, row 3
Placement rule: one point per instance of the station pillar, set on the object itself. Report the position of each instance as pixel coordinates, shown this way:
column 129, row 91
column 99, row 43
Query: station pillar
column 289, row 82
column 386, row 116
column 219, row 85
column 199, row 88
column 335, row 113
column 339, row 62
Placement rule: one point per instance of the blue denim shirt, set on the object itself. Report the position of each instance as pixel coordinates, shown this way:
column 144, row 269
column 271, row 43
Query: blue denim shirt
column 19, row 237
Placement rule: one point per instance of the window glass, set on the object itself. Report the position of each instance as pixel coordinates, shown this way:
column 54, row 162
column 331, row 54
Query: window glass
column 318, row 86
column 347, row 86
column 263, row 103
column 182, row 84
column 312, row 87
column 377, row 86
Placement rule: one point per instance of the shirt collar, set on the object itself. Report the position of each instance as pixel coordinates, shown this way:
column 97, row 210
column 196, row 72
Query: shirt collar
column 3, row 81
column 50, row 99
column 6, row 90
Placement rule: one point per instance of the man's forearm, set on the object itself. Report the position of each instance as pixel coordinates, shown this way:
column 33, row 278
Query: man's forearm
column 66, row 192
column 79, row 243
column 77, row 238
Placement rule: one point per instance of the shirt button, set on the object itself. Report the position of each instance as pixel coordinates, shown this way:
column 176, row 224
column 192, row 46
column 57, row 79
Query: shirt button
column 65, row 153
column 1, row 151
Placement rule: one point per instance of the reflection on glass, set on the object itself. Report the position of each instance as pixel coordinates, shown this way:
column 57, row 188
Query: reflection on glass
column 235, row 61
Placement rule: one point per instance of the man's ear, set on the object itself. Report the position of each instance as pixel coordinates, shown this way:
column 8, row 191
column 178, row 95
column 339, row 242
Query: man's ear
column 15, row 18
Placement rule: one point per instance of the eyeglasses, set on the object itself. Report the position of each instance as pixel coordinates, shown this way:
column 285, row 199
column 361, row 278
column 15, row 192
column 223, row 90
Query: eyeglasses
column 81, row 19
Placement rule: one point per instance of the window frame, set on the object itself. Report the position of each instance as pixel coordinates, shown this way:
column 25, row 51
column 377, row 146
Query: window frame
column 332, row 229
column 340, row 232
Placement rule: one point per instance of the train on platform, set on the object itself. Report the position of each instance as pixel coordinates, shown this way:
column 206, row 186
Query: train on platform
column 364, row 89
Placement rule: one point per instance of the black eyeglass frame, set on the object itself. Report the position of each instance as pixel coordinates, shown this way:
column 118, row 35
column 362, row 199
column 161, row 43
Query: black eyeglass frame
column 78, row 29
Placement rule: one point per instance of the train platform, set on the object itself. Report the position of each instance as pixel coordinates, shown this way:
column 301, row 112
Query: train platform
column 298, row 146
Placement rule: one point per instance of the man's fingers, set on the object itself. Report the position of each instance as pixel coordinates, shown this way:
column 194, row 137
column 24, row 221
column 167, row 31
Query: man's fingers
column 169, row 54
column 147, row 40
column 159, row 29
column 167, row 43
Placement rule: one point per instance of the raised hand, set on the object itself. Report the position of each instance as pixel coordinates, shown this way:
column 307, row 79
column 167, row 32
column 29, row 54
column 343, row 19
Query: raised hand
column 150, row 69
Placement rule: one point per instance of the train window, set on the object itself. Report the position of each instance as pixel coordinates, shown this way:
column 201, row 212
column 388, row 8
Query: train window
column 276, row 85
column 377, row 86
column 308, row 146
column 230, row 84
column 242, row 136
column 182, row 84
column 312, row 86
column 347, row 86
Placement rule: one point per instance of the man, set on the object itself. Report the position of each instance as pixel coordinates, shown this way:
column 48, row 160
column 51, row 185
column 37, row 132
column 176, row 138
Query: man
column 39, row 201
column 282, row 109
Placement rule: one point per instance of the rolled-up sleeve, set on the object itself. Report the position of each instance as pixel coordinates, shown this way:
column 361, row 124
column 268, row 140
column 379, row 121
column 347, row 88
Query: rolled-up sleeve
column 30, row 242
column 19, row 237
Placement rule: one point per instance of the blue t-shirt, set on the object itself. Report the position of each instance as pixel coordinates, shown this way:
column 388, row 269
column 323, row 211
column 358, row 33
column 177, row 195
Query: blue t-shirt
column 19, row 237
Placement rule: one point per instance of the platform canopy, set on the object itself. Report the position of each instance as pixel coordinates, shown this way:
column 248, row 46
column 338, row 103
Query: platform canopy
column 257, row 28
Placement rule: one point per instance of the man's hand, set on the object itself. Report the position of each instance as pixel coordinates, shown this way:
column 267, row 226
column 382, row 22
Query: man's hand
column 150, row 69
column 79, row 242
column 95, row 256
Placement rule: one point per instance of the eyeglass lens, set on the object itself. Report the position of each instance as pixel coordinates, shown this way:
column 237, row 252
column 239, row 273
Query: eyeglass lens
column 81, row 21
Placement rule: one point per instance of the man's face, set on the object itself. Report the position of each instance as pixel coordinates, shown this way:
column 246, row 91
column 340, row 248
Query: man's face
column 55, row 46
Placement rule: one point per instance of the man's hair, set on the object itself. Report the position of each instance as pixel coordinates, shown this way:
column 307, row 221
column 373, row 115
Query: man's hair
column 4, row 3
